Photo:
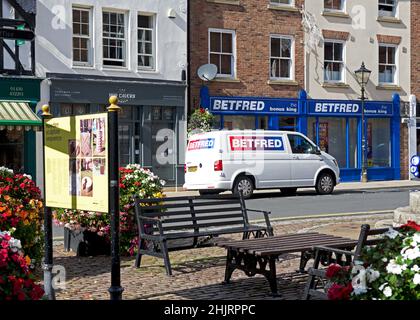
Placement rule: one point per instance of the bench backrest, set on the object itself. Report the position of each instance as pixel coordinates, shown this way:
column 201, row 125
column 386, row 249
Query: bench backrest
column 193, row 213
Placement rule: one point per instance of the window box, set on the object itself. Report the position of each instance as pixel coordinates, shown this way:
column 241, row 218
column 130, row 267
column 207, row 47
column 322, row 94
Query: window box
column 283, row 82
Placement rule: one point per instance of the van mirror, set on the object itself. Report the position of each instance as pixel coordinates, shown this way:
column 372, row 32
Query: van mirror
column 317, row 151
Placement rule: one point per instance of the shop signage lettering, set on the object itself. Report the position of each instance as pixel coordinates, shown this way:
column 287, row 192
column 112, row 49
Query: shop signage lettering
column 249, row 105
column 336, row 108
column 201, row 144
column 349, row 108
column 241, row 143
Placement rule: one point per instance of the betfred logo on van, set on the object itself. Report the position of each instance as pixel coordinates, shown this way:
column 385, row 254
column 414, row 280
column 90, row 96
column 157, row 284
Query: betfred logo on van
column 201, row 144
column 241, row 143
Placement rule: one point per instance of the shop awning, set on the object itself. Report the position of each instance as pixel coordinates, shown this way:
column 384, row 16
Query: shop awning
column 18, row 115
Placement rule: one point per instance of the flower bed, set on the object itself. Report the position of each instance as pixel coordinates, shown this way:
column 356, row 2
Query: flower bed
column 133, row 180
column 21, row 211
column 388, row 271
column 16, row 279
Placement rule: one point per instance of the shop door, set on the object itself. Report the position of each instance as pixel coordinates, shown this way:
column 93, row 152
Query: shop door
column 305, row 163
column 129, row 136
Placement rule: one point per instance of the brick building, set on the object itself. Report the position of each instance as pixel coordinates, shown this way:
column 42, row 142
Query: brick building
column 257, row 45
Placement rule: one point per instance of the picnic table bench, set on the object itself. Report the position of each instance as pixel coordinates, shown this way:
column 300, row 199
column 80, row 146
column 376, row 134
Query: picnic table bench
column 199, row 219
column 258, row 256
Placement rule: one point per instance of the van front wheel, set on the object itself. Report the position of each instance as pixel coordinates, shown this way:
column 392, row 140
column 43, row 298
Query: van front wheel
column 245, row 184
column 325, row 184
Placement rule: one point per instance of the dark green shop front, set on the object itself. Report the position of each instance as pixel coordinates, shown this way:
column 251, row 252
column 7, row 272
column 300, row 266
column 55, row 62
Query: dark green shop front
column 18, row 123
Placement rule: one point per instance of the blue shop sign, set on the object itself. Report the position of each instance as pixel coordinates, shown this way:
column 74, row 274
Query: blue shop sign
column 249, row 105
column 349, row 108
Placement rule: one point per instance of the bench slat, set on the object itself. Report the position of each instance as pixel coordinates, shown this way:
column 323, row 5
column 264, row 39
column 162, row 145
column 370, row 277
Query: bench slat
column 201, row 218
column 188, row 212
column 183, row 235
column 203, row 225
column 195, row 204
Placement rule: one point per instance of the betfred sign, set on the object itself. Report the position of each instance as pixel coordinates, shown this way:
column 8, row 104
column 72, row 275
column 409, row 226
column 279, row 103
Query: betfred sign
column 263, row 143
column 201, row 144
column 336, row 108
column 246, row 105
column 348, row 108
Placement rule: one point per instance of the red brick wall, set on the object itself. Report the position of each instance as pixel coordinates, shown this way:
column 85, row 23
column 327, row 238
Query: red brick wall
column 253, row 23
column 404, row 151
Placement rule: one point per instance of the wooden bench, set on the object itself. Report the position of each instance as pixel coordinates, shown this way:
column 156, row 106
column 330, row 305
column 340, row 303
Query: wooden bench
column 198, row 219
column 324, row 256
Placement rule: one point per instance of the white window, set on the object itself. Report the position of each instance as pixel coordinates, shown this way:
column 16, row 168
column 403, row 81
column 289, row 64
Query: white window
column 282, row 2
column 222, row 51
column 387, row 64
column 82, row 41
column 146, row 41
column 114, row 39
column 387, row 7
column 333, row 61
column 281, row 57
column 334, row 5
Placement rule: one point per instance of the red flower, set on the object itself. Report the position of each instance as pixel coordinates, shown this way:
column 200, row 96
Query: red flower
column 332, row 271
column 122, row 186
column 340, row 292
column 202, row 110
column 412, row 225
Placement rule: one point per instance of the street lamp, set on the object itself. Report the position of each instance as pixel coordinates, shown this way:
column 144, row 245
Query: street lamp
column 362, row 77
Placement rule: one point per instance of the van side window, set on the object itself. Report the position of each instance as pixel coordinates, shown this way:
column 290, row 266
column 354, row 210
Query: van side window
column 300, row 144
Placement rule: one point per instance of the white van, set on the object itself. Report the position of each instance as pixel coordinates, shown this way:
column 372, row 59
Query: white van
column 256, row 159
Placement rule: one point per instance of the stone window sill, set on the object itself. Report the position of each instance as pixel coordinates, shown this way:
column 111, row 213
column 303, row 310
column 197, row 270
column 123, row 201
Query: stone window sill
column 232, row 2
column 335, row 14
column 283, row 82
column 227, row 80
column 282, row 8
column 388, row 19
column 340, row 85
column 393, row 87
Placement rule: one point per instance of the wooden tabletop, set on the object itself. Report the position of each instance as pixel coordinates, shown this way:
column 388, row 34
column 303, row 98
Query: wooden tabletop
column 288, row 243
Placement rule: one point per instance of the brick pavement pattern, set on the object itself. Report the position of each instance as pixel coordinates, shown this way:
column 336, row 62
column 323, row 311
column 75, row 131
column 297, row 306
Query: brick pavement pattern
column 198, row 273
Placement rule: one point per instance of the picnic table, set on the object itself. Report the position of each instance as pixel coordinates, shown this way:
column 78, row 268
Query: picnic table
column 258, row 256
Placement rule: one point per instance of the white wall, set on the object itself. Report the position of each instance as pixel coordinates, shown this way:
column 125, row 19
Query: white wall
column 362, row 45
column 54, row 37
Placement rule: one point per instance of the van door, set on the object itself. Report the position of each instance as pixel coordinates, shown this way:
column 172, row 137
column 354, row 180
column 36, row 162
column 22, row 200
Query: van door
column 305, row 162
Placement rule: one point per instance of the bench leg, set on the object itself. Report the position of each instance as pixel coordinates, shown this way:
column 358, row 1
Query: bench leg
column 304, row 258
column 229, row 267
column 165, row 253
column 309, row 285
column 272, row 277
column 139, row 255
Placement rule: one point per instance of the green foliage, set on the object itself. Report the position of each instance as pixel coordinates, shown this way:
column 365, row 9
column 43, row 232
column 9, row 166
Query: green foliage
column 201, row 120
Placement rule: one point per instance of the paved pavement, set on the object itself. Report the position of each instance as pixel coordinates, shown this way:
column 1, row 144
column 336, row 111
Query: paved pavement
column 198, row 273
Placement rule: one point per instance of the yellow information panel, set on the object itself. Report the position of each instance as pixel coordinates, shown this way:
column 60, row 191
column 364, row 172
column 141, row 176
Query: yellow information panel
column 76, row 162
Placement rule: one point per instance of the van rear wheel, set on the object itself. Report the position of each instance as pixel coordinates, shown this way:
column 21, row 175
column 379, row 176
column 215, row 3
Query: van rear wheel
column 288, row 191
column 245, row 184
column 325, row 183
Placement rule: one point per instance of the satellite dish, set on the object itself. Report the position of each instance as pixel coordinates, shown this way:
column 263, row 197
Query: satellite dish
column 207, row 72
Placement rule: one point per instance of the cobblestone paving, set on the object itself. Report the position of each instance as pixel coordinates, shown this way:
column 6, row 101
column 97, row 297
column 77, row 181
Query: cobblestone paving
column 198, row 273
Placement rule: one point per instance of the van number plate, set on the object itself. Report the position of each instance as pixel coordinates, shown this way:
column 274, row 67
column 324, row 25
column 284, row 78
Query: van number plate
column 192, row 169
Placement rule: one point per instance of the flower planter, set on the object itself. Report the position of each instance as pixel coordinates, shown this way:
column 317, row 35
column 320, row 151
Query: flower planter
column 85, row 243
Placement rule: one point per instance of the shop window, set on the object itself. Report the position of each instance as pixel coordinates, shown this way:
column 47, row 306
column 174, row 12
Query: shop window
column 114, row 39
column 387, row 8
column 263, row 122
column 387, row 63
column 12, row 150
column 378, row 143
column 146, row 41
column 334, row 61
column 222, row 51
column 287, row 123
column 353, row 143
column 281, row 61
column 334, row 5
column 67, row 109
column 239, row 122
column 82, row 39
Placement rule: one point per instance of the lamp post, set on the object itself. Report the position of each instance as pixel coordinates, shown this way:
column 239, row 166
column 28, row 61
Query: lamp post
column 362, row 77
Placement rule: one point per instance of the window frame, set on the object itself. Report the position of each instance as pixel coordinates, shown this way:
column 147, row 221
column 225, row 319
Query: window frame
column 396, row 64
column 125, row 51
column 343, row 72
column 233, row 60
column 290, row 4
column 394, row 9
column 296, row 134
column 343, row 7
column 154, row 41
column 292, row 56
column 90, row 38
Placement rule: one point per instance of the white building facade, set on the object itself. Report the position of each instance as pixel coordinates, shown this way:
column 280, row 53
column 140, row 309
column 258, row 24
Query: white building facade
column 91, row 49
column 376, row 32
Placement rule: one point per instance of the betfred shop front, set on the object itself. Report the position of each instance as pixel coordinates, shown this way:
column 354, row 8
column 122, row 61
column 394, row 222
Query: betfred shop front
column 18, row 123
column 334, row 125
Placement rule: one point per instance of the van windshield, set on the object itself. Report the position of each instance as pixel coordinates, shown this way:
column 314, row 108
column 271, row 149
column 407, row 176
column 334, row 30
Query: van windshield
column 300, row 145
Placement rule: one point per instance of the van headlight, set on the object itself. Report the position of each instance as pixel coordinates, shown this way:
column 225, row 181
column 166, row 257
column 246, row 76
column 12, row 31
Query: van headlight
column 335, row 162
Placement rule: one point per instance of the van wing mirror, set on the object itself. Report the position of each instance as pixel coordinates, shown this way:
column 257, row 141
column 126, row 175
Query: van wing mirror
column 317, row 151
